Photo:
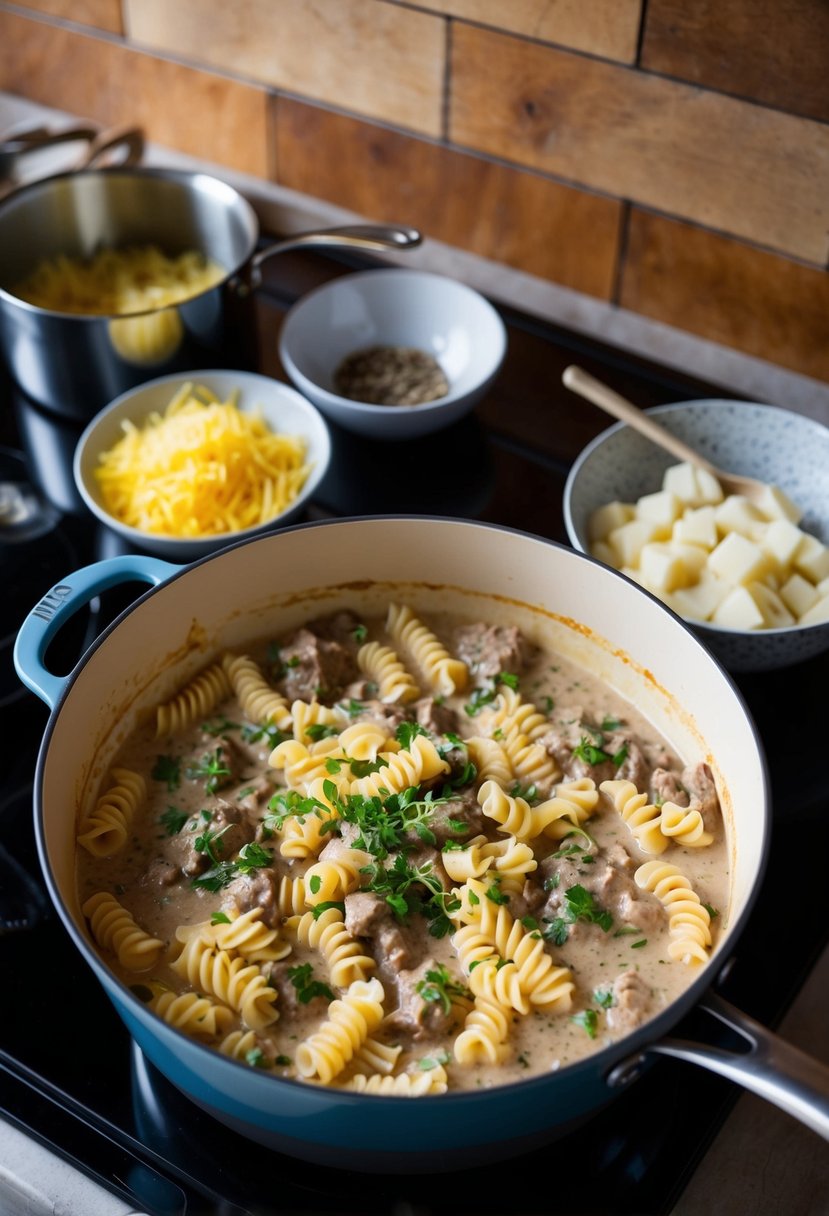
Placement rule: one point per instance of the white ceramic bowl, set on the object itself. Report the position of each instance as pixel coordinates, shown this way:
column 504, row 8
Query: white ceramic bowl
column 763, row 441
column 284, row 409
column 393, row 307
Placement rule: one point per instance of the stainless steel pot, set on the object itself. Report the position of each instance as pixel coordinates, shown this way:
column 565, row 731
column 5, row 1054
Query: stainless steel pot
column 75, row 364
column 606, row 622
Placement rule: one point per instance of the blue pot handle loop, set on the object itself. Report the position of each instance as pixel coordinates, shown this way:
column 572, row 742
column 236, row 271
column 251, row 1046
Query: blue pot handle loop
column 63, row 601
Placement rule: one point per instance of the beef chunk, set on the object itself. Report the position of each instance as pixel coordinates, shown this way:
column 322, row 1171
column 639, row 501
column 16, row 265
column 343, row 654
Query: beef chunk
column 490, row 649
column 257, row 889
column 609, row 880
column 368, row 916
column 462, row 809
column 316, row 667
column 161, row 873
column 387, row 716
column 631, row 1006
column 435, row 717
column 699, row 781
column 415, row 1016
column 338, row 627
column 667, row 786
column 222, row 835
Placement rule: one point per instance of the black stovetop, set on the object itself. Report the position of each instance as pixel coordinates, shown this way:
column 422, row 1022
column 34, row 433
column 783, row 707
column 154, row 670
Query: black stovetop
column 69, row 1074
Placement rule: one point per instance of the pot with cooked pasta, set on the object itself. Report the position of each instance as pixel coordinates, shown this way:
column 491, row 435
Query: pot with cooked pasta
column 114, row 276
column 402, row 840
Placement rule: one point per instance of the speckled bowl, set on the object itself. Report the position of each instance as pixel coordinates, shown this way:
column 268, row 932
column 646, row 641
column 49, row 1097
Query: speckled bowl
column 764, row 441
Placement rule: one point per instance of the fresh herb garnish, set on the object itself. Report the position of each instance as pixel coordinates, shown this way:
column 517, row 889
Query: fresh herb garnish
column 360, row 633
column 439, row 987
column 588, row 1020
column 579, row 904
column 251, row 856
column 307, row 988
column 320, row 730
column 213, row 768
column 168, row 770
column 173, row 820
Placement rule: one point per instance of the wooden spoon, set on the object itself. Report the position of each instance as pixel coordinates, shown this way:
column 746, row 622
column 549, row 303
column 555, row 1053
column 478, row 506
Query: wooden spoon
column 579, row 381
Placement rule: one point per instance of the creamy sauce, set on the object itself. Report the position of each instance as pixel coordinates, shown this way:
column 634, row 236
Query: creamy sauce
column 625, row 934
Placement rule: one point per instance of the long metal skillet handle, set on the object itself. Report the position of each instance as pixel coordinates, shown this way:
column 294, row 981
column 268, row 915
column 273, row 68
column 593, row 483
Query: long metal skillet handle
column 771, row 1068
column 366, row 237
column 62, row 602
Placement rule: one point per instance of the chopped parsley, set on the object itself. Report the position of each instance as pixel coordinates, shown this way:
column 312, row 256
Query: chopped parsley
column 579, row 904
column 307, row 988
column 439, row 987
column 588, row 1019
column 213, row 768
column 250, row 857
column 168, row 770
column 592, row 754
column 173, row 820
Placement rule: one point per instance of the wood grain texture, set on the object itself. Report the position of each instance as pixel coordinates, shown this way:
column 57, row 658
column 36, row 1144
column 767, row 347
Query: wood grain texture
column 516, row 218
column 777, row 54
column 730, row 293
column 371, row 57
column 193, row 111
column 737, row 167
column 102, row 14
column 609, row 28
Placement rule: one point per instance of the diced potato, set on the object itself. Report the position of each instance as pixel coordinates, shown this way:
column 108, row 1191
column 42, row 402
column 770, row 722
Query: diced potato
column 776, row 504
column 692, row 556
column 709, row 489
column 604, row 519
column 691, row 485
column 798, row 594
column 627, row 541
column 738, row 610
column 603, row 552
column 701, row 600
column 736, row 514
column 781, row 540
column 663, row 569
column 697, row 526
column 817, row 613
column 662, row 508
column 811, row 558
column 774, row 612
column 681, row 480
column 737, row 559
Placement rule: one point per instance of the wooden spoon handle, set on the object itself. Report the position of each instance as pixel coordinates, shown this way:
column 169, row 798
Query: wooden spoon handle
column 579, row 381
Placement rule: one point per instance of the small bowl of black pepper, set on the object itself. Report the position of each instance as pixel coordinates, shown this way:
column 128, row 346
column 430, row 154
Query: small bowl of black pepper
column 393, row 353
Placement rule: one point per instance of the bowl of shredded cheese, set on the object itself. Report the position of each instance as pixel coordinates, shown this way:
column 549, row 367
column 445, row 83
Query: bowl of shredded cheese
column 186, row 464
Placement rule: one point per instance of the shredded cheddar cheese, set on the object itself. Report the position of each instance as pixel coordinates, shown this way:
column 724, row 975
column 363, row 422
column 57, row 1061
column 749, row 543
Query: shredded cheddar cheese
column 202, row 468
column 117, row 282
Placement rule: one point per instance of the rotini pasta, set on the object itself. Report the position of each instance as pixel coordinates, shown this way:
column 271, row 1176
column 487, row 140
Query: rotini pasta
column 114, row 929
column 346, row 958
column 196, row 700
column 105, row 830
column 404, row 1085
column 233, row 981
column 445, row 674
column 350, row 1022
column 689, row 921
column 410, row 766
column 260, row 702
column 194, row 1014
column 382, row 665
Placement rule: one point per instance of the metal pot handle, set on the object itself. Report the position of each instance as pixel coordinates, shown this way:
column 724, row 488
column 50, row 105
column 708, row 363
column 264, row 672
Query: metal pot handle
column 351, row 236
column 772, row 1068
column 62, row 602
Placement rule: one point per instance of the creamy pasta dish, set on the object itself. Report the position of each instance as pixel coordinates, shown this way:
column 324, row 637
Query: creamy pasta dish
column 402, row 855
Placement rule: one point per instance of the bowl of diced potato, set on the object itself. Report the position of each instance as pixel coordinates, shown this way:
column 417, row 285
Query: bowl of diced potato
column 750, row 577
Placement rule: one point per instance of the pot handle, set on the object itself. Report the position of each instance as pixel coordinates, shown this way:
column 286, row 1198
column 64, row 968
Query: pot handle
column 352, row 236
column 62, row 602
column 771, row 1068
